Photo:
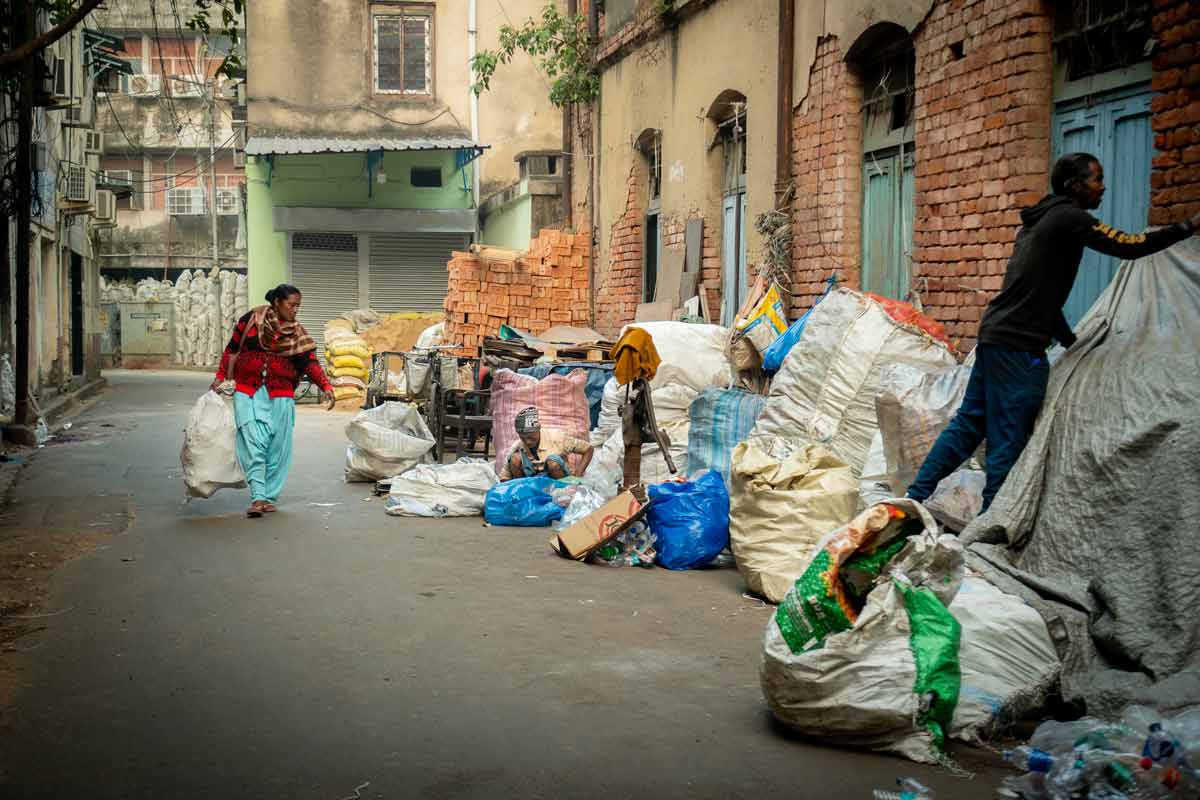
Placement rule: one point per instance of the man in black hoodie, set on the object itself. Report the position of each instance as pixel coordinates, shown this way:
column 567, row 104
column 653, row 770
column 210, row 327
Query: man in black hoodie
column 1008, row 382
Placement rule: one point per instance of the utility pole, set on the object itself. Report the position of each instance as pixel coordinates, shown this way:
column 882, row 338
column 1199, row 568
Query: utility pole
column 24, row 201
column 212, row 163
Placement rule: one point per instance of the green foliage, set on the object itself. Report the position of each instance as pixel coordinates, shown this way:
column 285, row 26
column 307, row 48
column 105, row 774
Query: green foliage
column 230, row 11
column 562, row 49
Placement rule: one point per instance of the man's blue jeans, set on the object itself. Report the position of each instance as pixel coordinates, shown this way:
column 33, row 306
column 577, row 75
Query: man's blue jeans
column 1001, row 404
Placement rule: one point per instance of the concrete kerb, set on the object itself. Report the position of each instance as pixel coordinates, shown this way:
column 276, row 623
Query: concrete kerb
column 56, row 411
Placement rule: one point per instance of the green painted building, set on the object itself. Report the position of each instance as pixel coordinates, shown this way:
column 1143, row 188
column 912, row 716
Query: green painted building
column 358, row 223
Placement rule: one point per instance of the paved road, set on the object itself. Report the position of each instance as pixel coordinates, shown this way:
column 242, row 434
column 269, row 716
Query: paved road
column 204, row 655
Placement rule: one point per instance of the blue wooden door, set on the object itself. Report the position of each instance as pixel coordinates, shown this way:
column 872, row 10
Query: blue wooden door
column 734, row 281
column 887, row 223
column 1114, row 127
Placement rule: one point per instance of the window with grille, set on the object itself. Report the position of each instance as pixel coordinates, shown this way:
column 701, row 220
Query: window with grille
column 185, row 202
column 1095, row 36
column 339, row 242
column 403, row 50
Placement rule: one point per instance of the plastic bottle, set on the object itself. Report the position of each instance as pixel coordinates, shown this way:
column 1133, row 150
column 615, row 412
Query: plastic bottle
column 910, row 789
column 1029, row 759
column 40, row 432
column 1058, row 738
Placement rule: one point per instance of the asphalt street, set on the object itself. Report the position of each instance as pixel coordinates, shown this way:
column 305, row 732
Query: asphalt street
column 192, row 653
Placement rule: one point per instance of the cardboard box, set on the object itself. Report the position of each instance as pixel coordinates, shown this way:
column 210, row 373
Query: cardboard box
column 601, row 525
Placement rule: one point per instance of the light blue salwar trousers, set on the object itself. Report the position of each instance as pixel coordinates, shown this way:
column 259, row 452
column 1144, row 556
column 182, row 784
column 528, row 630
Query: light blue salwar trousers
column 264, row 441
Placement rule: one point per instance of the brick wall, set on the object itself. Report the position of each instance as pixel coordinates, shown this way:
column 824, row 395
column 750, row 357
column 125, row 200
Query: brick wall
column 544, row 287
column 982, row 146
column 827, row 169
column 619, row 282
column 982, row 149
column 1176, row 121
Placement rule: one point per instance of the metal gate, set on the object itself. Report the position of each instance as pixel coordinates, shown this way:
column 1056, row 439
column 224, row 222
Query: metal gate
column 408, row 271
column 1114, row 127
column 325, row 270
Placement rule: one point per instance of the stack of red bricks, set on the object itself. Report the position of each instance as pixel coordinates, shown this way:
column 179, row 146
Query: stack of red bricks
column 533, row 291
column 1176, row 122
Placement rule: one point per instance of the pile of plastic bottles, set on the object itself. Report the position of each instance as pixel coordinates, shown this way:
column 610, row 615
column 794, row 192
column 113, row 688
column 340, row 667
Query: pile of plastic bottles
column 1143, row 757
column 633, row 547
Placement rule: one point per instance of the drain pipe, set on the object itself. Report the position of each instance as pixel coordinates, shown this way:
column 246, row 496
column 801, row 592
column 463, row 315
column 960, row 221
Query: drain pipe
column 473, row 100
column 568, row 145
column 787, row 57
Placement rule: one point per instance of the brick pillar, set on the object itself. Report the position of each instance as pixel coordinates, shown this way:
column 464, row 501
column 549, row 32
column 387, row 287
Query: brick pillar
column 619, row 282
column 1176, row 121
column 827, row 168
column 982, row 148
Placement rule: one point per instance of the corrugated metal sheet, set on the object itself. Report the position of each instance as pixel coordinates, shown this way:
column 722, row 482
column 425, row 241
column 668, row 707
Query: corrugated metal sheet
column 1116, row 129
column 299, row 145
column 409, row 271
column 325, row 270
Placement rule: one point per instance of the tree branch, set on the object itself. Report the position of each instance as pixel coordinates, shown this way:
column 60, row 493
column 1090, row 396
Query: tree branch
column 51, row 36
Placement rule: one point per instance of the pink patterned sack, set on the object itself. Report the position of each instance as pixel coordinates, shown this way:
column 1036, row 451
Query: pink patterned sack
column 560, row 400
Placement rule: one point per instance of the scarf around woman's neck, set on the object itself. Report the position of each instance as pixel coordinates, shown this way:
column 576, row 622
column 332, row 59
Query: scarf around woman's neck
column 279, row 337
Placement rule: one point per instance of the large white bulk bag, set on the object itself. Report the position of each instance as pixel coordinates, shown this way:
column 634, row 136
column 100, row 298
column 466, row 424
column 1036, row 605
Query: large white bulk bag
column 209, row 455
column 825, row 391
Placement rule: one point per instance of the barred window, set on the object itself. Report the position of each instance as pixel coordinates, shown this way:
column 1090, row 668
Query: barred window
column 403, row 50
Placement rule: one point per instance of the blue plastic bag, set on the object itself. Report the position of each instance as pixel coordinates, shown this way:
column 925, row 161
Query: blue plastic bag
column 526, row 502
column 778, row 350
column 690, row 520
column 774, row 355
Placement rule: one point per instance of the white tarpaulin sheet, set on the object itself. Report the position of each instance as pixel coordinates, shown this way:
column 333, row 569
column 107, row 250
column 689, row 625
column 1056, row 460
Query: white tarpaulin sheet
column 1096, row 524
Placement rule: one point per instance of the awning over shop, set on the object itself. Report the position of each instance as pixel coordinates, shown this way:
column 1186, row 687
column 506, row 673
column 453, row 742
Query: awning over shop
column 302, row 145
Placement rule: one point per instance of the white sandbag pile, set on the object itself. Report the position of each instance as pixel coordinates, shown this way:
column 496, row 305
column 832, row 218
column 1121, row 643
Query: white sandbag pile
column 386, row 441
column 825, row 391
column 442, row 490
column 207, row 306
column 209, row 455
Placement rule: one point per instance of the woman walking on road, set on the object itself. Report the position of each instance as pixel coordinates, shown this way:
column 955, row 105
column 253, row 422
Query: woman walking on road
column 266, row 356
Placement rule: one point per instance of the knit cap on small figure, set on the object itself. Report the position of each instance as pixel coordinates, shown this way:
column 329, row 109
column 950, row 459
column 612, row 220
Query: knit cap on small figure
column 527, row 421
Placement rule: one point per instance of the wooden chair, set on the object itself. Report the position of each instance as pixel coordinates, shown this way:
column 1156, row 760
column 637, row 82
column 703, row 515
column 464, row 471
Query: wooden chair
column 466, row 411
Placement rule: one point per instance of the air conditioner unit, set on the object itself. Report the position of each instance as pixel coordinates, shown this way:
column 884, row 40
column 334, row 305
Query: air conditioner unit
column 106, row 207
column 77, row 184
column 227, row 201
column 93, row 142
column 187, row 201
column 181, row 87
column 239, row 158
column 60, row 77
column 142, row 85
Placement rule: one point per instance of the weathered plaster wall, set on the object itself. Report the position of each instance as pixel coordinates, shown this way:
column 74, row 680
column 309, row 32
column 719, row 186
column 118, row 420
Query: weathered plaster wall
column 517, row 114
column 311, row 76
column 669, row 83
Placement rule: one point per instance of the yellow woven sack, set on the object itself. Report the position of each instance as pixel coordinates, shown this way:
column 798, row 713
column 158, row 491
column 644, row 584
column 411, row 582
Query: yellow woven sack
column 355, row 348
column 348, row 361
column 350, row 372
column 346, row 392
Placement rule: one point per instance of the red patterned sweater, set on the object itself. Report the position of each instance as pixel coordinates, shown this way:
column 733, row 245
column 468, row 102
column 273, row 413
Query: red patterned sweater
column 282, row 373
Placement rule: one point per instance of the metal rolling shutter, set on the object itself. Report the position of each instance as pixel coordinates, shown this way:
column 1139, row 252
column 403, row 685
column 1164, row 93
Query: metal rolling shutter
column 408, row 270
column 325, row 270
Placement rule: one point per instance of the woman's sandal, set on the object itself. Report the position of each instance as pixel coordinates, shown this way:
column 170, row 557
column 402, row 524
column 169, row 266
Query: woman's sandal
column 269, row 508
column 255, row 510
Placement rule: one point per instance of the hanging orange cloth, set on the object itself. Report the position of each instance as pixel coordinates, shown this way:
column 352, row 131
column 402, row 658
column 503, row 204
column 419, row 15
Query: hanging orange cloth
column 635, row 356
